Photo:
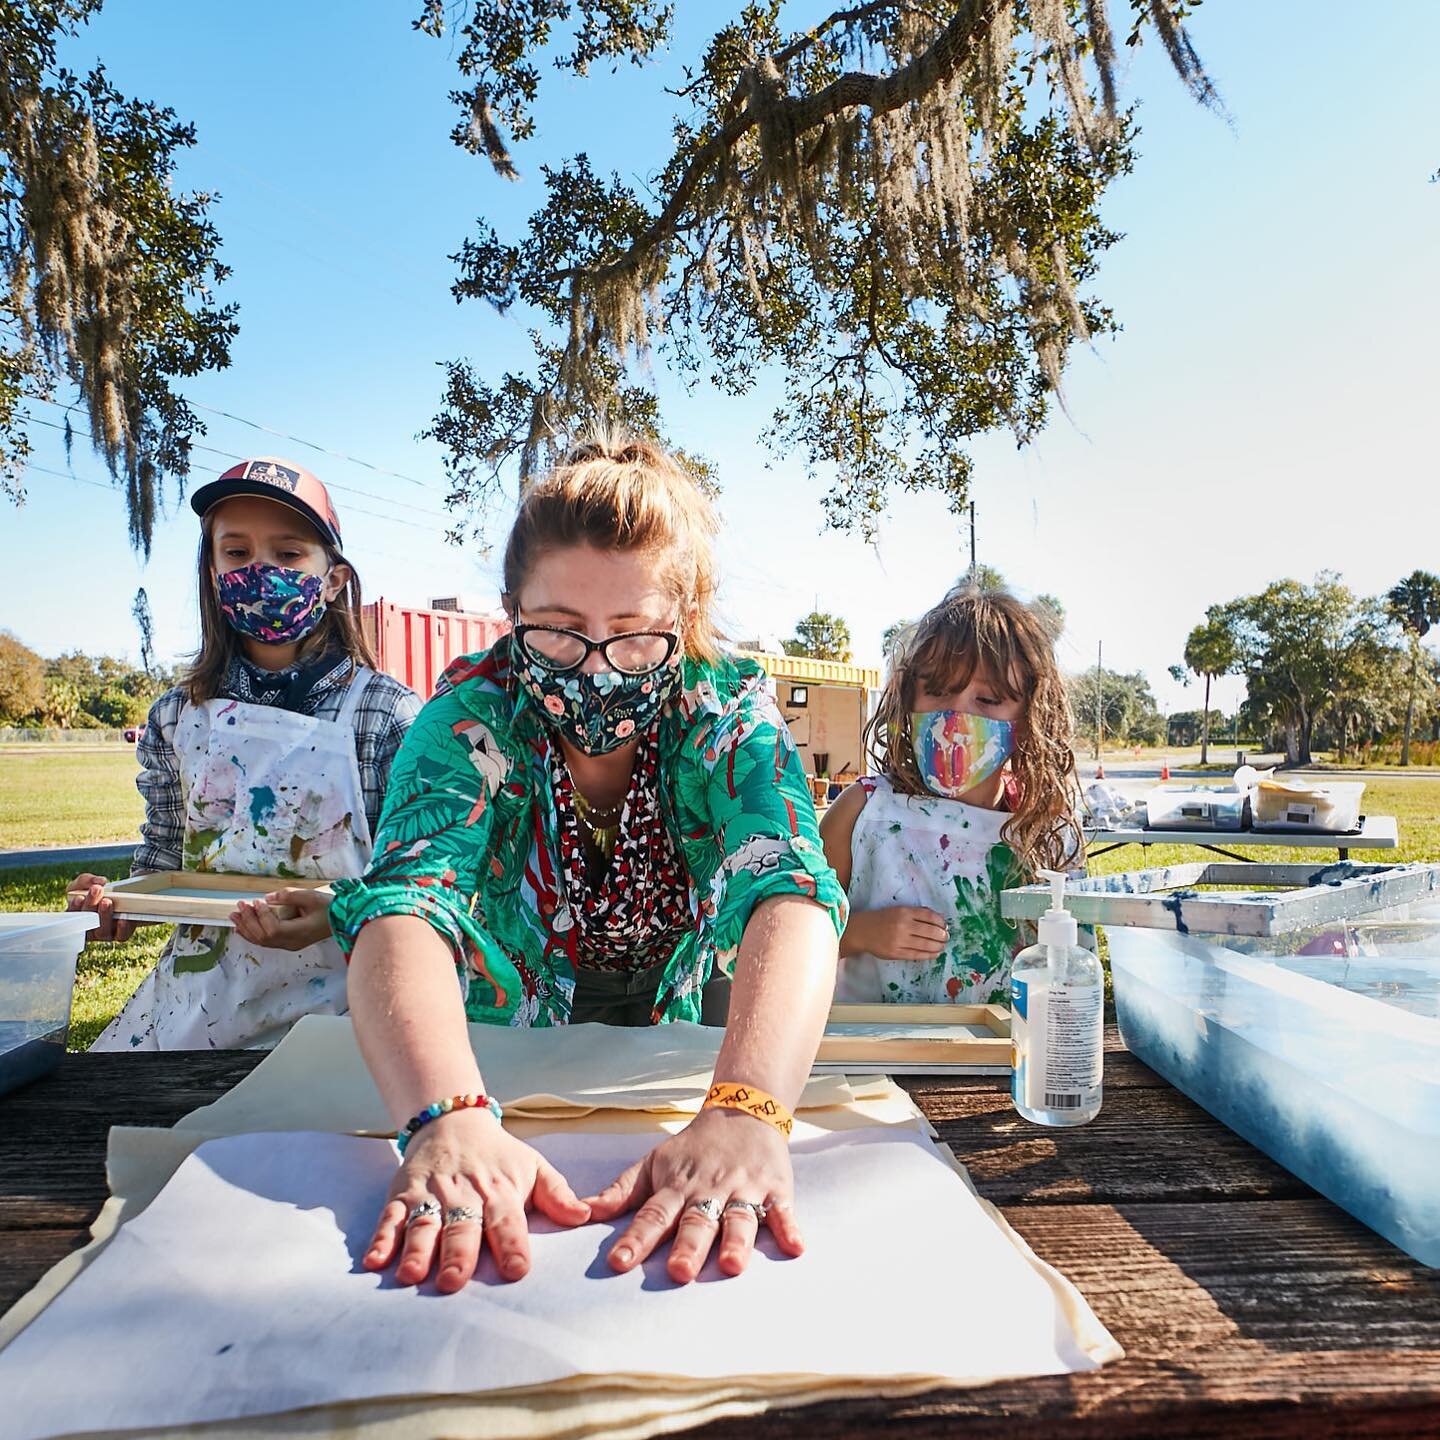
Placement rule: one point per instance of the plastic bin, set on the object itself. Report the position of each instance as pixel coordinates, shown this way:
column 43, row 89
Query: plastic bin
column 1267, row 1010
column 1333, row 809
column 1195, row 810
column 38, row 952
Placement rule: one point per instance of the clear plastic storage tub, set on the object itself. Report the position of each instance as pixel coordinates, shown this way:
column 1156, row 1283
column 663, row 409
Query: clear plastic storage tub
column 1334, row 809
column 1300, row 1018
column 38, row 952
column 1195, row 810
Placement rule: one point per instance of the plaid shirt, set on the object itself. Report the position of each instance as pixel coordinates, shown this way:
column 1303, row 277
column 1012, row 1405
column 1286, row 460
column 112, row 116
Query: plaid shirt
column 382, row 717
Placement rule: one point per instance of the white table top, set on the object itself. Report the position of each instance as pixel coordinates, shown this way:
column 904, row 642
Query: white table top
column 1378, row 832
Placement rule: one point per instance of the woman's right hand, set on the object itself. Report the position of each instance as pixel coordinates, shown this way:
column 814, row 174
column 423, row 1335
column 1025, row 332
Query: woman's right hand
column 898, row 932
column 465, row 1158
column 87, row 892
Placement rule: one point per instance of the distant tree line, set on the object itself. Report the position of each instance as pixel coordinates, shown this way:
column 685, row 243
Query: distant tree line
column 73, row 691
column 1326, row 668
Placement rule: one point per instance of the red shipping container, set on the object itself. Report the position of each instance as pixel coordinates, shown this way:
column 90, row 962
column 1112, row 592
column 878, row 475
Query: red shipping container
column 416, row 645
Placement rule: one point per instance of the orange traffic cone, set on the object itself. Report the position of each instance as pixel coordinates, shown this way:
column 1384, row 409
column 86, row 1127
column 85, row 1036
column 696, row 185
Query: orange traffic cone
column 1164, row 769
column 1099, row 770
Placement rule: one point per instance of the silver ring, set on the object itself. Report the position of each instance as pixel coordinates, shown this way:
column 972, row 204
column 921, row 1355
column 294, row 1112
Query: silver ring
column 710, row 1208
column 457, row 1214
column 753, row 1206
column 425, row 1210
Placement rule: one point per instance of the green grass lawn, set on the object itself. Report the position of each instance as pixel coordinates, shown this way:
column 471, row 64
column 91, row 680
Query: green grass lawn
column 108, row 974
column 50, row 795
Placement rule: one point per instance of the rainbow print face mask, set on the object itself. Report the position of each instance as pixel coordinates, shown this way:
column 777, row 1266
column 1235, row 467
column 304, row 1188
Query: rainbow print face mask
column 272, row 603
column 956, row 751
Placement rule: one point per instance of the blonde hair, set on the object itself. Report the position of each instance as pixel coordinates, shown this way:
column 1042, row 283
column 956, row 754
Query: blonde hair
column 618, row 492
column 990, row 631
column 340, row 628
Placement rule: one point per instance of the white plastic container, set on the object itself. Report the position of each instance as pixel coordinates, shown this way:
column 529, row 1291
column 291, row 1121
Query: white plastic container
column 1282, row 805
column 1195, row 809
column 38, row 952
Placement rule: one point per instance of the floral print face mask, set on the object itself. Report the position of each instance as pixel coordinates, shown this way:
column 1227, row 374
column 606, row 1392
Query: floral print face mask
column 956, row 751
column 272, row 603
column 597, row 712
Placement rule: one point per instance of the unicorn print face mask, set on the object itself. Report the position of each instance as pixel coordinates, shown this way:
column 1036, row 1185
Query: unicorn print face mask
column 956, row 751
column 272, row 603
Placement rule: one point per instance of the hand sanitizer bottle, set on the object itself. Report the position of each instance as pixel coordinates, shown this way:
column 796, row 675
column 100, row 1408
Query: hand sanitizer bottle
column 1057, row 1017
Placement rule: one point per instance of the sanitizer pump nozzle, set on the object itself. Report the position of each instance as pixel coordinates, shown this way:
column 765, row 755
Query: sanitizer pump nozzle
column 1058, row 930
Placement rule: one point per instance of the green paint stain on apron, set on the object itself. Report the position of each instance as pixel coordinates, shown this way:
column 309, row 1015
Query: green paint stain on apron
column 197, row 843
column 205, row 961
column 981, row 934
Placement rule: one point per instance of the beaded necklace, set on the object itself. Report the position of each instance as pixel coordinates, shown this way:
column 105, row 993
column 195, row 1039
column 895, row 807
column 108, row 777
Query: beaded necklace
column 601, row 822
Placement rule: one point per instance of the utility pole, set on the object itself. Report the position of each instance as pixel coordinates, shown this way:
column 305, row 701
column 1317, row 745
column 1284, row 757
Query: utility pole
column 1099, row 689
column 972, row 540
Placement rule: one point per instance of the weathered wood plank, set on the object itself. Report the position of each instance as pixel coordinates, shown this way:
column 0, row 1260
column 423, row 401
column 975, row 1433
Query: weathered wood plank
column 25, row 1255
column 1146, row 1144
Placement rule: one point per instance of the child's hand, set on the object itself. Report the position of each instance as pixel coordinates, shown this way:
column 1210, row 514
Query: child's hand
column 257, row 921
column 898, row 932
column 87, row 892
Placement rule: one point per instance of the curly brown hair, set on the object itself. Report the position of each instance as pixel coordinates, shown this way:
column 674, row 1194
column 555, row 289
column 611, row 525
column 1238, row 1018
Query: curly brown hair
column 991, row 632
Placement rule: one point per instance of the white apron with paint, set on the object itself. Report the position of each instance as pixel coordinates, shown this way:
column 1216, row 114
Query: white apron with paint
column 942, row 855
column 267, row 792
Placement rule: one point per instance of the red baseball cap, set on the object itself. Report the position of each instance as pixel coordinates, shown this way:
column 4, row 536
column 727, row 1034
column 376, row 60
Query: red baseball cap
column 274, row 479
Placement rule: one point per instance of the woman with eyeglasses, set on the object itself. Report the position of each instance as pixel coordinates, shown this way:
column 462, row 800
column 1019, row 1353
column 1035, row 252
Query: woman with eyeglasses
column 603, row 818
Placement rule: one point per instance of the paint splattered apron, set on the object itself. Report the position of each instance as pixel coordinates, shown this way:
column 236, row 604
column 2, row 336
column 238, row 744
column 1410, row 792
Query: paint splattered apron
column 948, row 857
column 267, row 792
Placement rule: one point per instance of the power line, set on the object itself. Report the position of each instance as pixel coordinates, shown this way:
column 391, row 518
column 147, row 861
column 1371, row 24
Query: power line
column 310, row 444
column 371, row 552
column 62, row 475
column 349, row 509
column 230, row 455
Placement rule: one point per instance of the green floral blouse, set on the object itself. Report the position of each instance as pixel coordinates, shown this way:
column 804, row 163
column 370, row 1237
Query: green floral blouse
column 468, row 837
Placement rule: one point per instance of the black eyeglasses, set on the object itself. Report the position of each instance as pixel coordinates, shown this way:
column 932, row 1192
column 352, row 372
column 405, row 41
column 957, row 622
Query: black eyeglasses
column 637, row 652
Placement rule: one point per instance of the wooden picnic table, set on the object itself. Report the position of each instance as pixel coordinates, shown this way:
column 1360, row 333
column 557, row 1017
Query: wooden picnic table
column 1247, row 1305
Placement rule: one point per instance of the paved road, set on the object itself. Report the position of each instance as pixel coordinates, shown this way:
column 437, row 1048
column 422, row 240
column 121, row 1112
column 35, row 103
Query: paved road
column 80, row 856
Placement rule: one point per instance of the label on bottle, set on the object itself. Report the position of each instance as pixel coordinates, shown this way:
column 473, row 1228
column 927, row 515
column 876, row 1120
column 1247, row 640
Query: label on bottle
column 1057, row 1035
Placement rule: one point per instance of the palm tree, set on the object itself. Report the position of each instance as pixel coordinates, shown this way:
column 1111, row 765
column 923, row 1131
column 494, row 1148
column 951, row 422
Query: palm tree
column 1415, row 605
column 1212, row 649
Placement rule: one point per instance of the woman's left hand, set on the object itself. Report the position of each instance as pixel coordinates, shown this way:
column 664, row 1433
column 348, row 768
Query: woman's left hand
column 721, row 1155
column 258, row 921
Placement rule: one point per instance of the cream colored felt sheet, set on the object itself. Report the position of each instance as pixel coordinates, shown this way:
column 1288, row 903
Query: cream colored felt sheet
column 315, row 1079
column 307, row 1199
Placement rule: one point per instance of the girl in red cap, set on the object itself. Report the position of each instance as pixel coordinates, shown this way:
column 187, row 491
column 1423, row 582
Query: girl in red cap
column 270, row 758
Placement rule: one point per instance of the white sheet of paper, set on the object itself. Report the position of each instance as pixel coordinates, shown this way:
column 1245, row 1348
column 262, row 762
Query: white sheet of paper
column 315, row 1079
column 238, row 1293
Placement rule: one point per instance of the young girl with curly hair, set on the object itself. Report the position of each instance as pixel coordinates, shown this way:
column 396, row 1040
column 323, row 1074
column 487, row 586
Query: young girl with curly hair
column 973, row 792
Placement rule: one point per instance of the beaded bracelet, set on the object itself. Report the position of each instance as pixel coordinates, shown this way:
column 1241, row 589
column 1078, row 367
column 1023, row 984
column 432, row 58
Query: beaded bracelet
column 752, row 1102
column 444, row 1107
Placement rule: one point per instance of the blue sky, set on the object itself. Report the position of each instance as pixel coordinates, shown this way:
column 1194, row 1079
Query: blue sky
column 1266, row 411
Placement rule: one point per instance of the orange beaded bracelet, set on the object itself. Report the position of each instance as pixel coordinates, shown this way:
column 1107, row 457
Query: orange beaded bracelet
column 752, row 1102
